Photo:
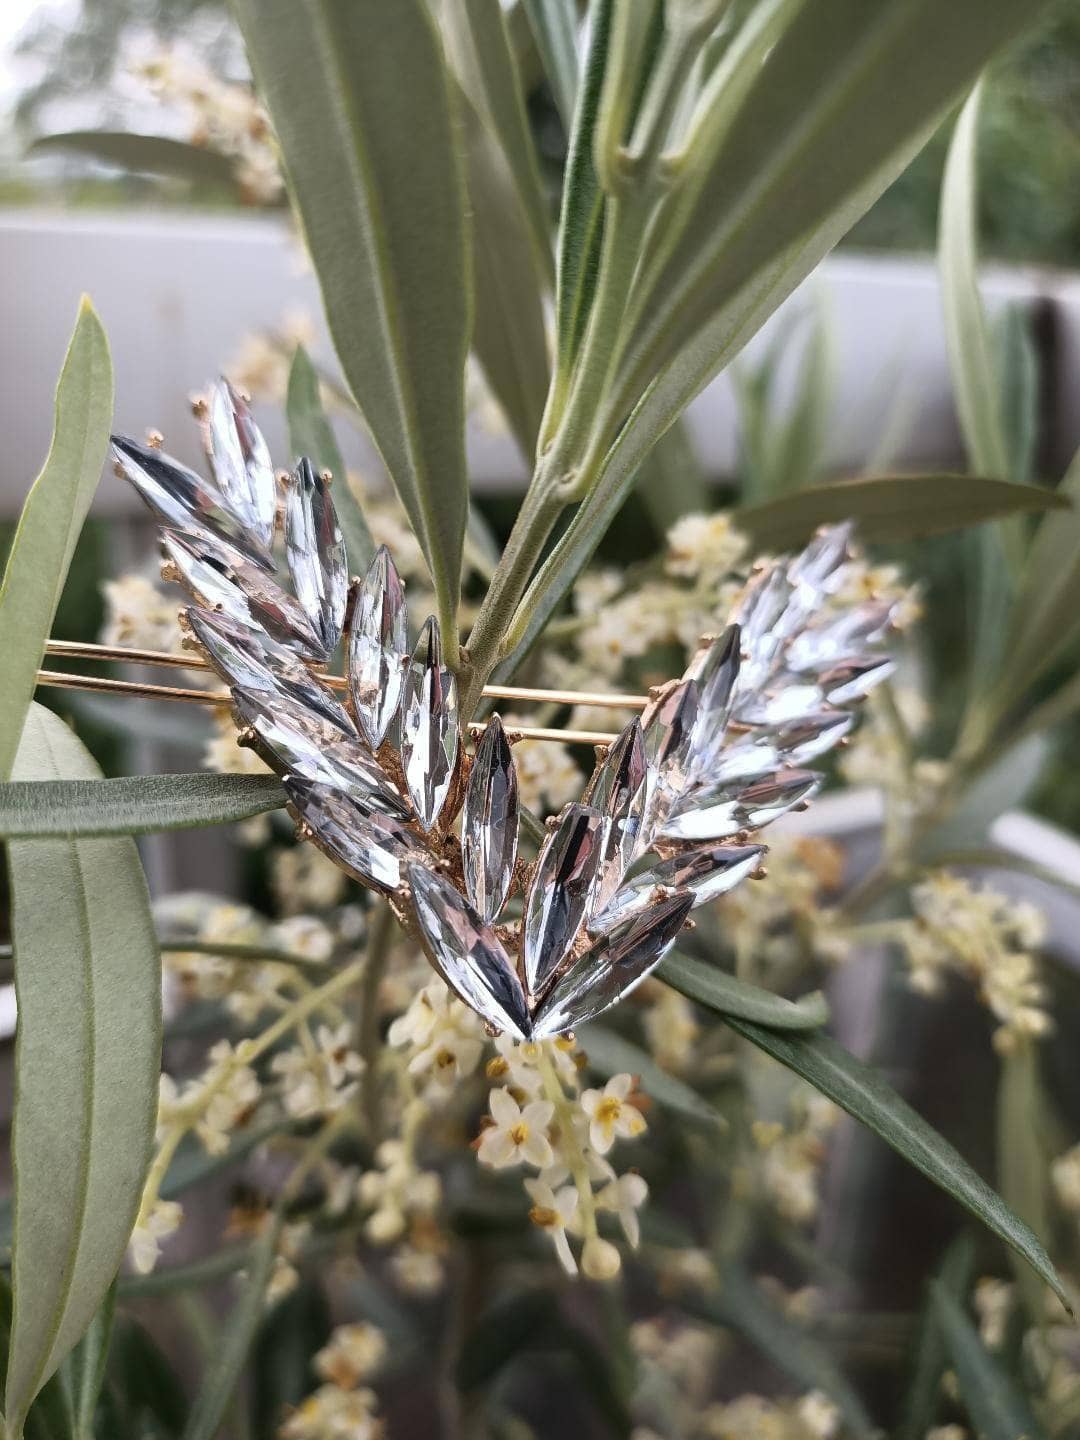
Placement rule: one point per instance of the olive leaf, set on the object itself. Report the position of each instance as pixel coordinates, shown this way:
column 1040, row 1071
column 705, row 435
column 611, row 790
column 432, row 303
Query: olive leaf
column 996, row 1404
column 151, row 154
column 135, row 805
column 88, row 1049
column 51, row 520
column 728, row 995
column 360, row 100
column 554, row 27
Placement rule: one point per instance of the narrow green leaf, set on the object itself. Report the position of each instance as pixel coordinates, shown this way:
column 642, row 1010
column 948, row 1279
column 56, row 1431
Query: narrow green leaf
column 311, row 434
column 50, row 1416
column 923, row 1398
column 864, row 1094
column 728, row 995
column 236, row 1339
column 509, row 328
column 51, row 520
column 741, row 1304
column 478, row 44
column 888, row 508
column 88, row 1046
column 360, row 100
column 135, row 805
column 554, row 27
column 609, row 1054
column 581, row 217
column 1024, row 1154
column 995, row 790
column 88, row 1363
column 144, row 1385
column 151, row 154
column 998, row 1408
column 1018, row 384
column 1046, row 613
column 967, row 335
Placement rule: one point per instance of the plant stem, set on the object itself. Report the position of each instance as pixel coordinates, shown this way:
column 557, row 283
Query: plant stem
column 378, row 952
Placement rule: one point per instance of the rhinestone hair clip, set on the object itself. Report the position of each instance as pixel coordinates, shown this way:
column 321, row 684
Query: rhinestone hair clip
column 380, row 778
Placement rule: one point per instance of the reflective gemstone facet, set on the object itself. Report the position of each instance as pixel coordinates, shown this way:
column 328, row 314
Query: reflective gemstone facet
column 316, row 553
column 241, row 461
column 378, row 648
column 561, row 891
column 845, row 683
column 818, row 647
column 804, row 740
column 818, row 565
column 429, row 728
column 372, row 846
column 618, row 789
column 709, row 871
column 716, row 813
column 468, row 954
column 181, row 498
column 668, row 724
column 489, row 823
column 612, row 967
column 310, row 746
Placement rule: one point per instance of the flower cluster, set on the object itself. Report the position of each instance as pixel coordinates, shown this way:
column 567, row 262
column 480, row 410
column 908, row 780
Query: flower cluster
column 986, row 937
column 343, row 1407
column 540, row 1118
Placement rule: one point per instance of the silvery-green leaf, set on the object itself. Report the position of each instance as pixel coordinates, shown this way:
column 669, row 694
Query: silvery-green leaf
column 561, row 891
column 618, row 789
column 718, row 812
column 316, row 553
column 468, row 954
column 182, row 499
column 370, row 845
column 850, row 633
column 242, row 465
column 489, row 823
column 612, row 967
column 249, row 659
column 377, row 648
column 429, row 726
column 709, row 871
column 308, row 745
column 221, row 579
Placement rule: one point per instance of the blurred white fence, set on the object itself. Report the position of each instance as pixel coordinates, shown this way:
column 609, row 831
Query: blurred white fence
column 179, row 294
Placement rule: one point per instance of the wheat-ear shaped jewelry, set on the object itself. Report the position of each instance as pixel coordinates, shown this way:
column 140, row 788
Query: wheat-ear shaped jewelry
column 378, row 783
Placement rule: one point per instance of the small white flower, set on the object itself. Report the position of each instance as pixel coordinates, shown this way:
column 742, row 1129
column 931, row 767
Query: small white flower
column 554, row 1211
column 610, row 1115
column 353, row 1353
column 144, row 1247
column 600, row 1260
column 518, row 1135
column 625, row 1197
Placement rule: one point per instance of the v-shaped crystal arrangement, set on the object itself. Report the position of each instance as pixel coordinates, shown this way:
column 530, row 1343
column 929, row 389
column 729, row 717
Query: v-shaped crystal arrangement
column 666, row 821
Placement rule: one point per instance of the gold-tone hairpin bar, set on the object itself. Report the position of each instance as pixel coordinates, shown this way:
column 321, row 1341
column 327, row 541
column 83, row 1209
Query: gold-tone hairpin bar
column 73, row 650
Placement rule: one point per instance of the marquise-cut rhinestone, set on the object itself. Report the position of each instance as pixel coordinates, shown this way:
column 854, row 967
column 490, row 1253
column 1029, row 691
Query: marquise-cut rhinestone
column 819, row 566
column 849, row 634
column 222, row 579
column 489, row 823
column 785, row 702
column 612, row 967
column 242, row 465
column 310, row 746
column 618, row 789
column 718, row 812
column 804, row 740
column 429, row 726
column 845, row 683
column 708, row 871
column 468, row 954
column 372, row 846
column 716, row 671
column 182, row 499
column 668, row 724
column 315, row 551
column 378, row 648
column 560, row 894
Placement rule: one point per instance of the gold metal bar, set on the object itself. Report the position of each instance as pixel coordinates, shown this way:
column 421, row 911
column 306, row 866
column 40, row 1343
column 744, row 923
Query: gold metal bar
column 59, row 680
column 74, row 650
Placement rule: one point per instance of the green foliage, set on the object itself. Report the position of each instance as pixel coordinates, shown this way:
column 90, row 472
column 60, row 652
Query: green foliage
column 728, row 995
column 139, row 805
column 86, row 970
column 997, row 1406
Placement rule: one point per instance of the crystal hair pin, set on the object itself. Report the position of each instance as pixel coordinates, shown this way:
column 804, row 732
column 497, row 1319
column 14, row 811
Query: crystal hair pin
column 380, row 777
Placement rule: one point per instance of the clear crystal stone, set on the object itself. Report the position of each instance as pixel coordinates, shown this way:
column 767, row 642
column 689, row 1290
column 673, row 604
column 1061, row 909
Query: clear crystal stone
column 612, row 967
column 785, row 701
column 668, row 724
column 718, row 812
column 819, row 565
column 618, row 789
column 489, row 823
column 183, row 499
column 561, row 891
column 838, row 639
column 708, row 871
column 310, row 746
column 429, row 726
column 468, row 954
column 220, row 578
column 316, row 553
column 378, row 648
column 804, row 740
column 251, row 660
column 241, row 461
column 716, row 671
column 373, row 847
column 771, row 612
column 853, row 680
